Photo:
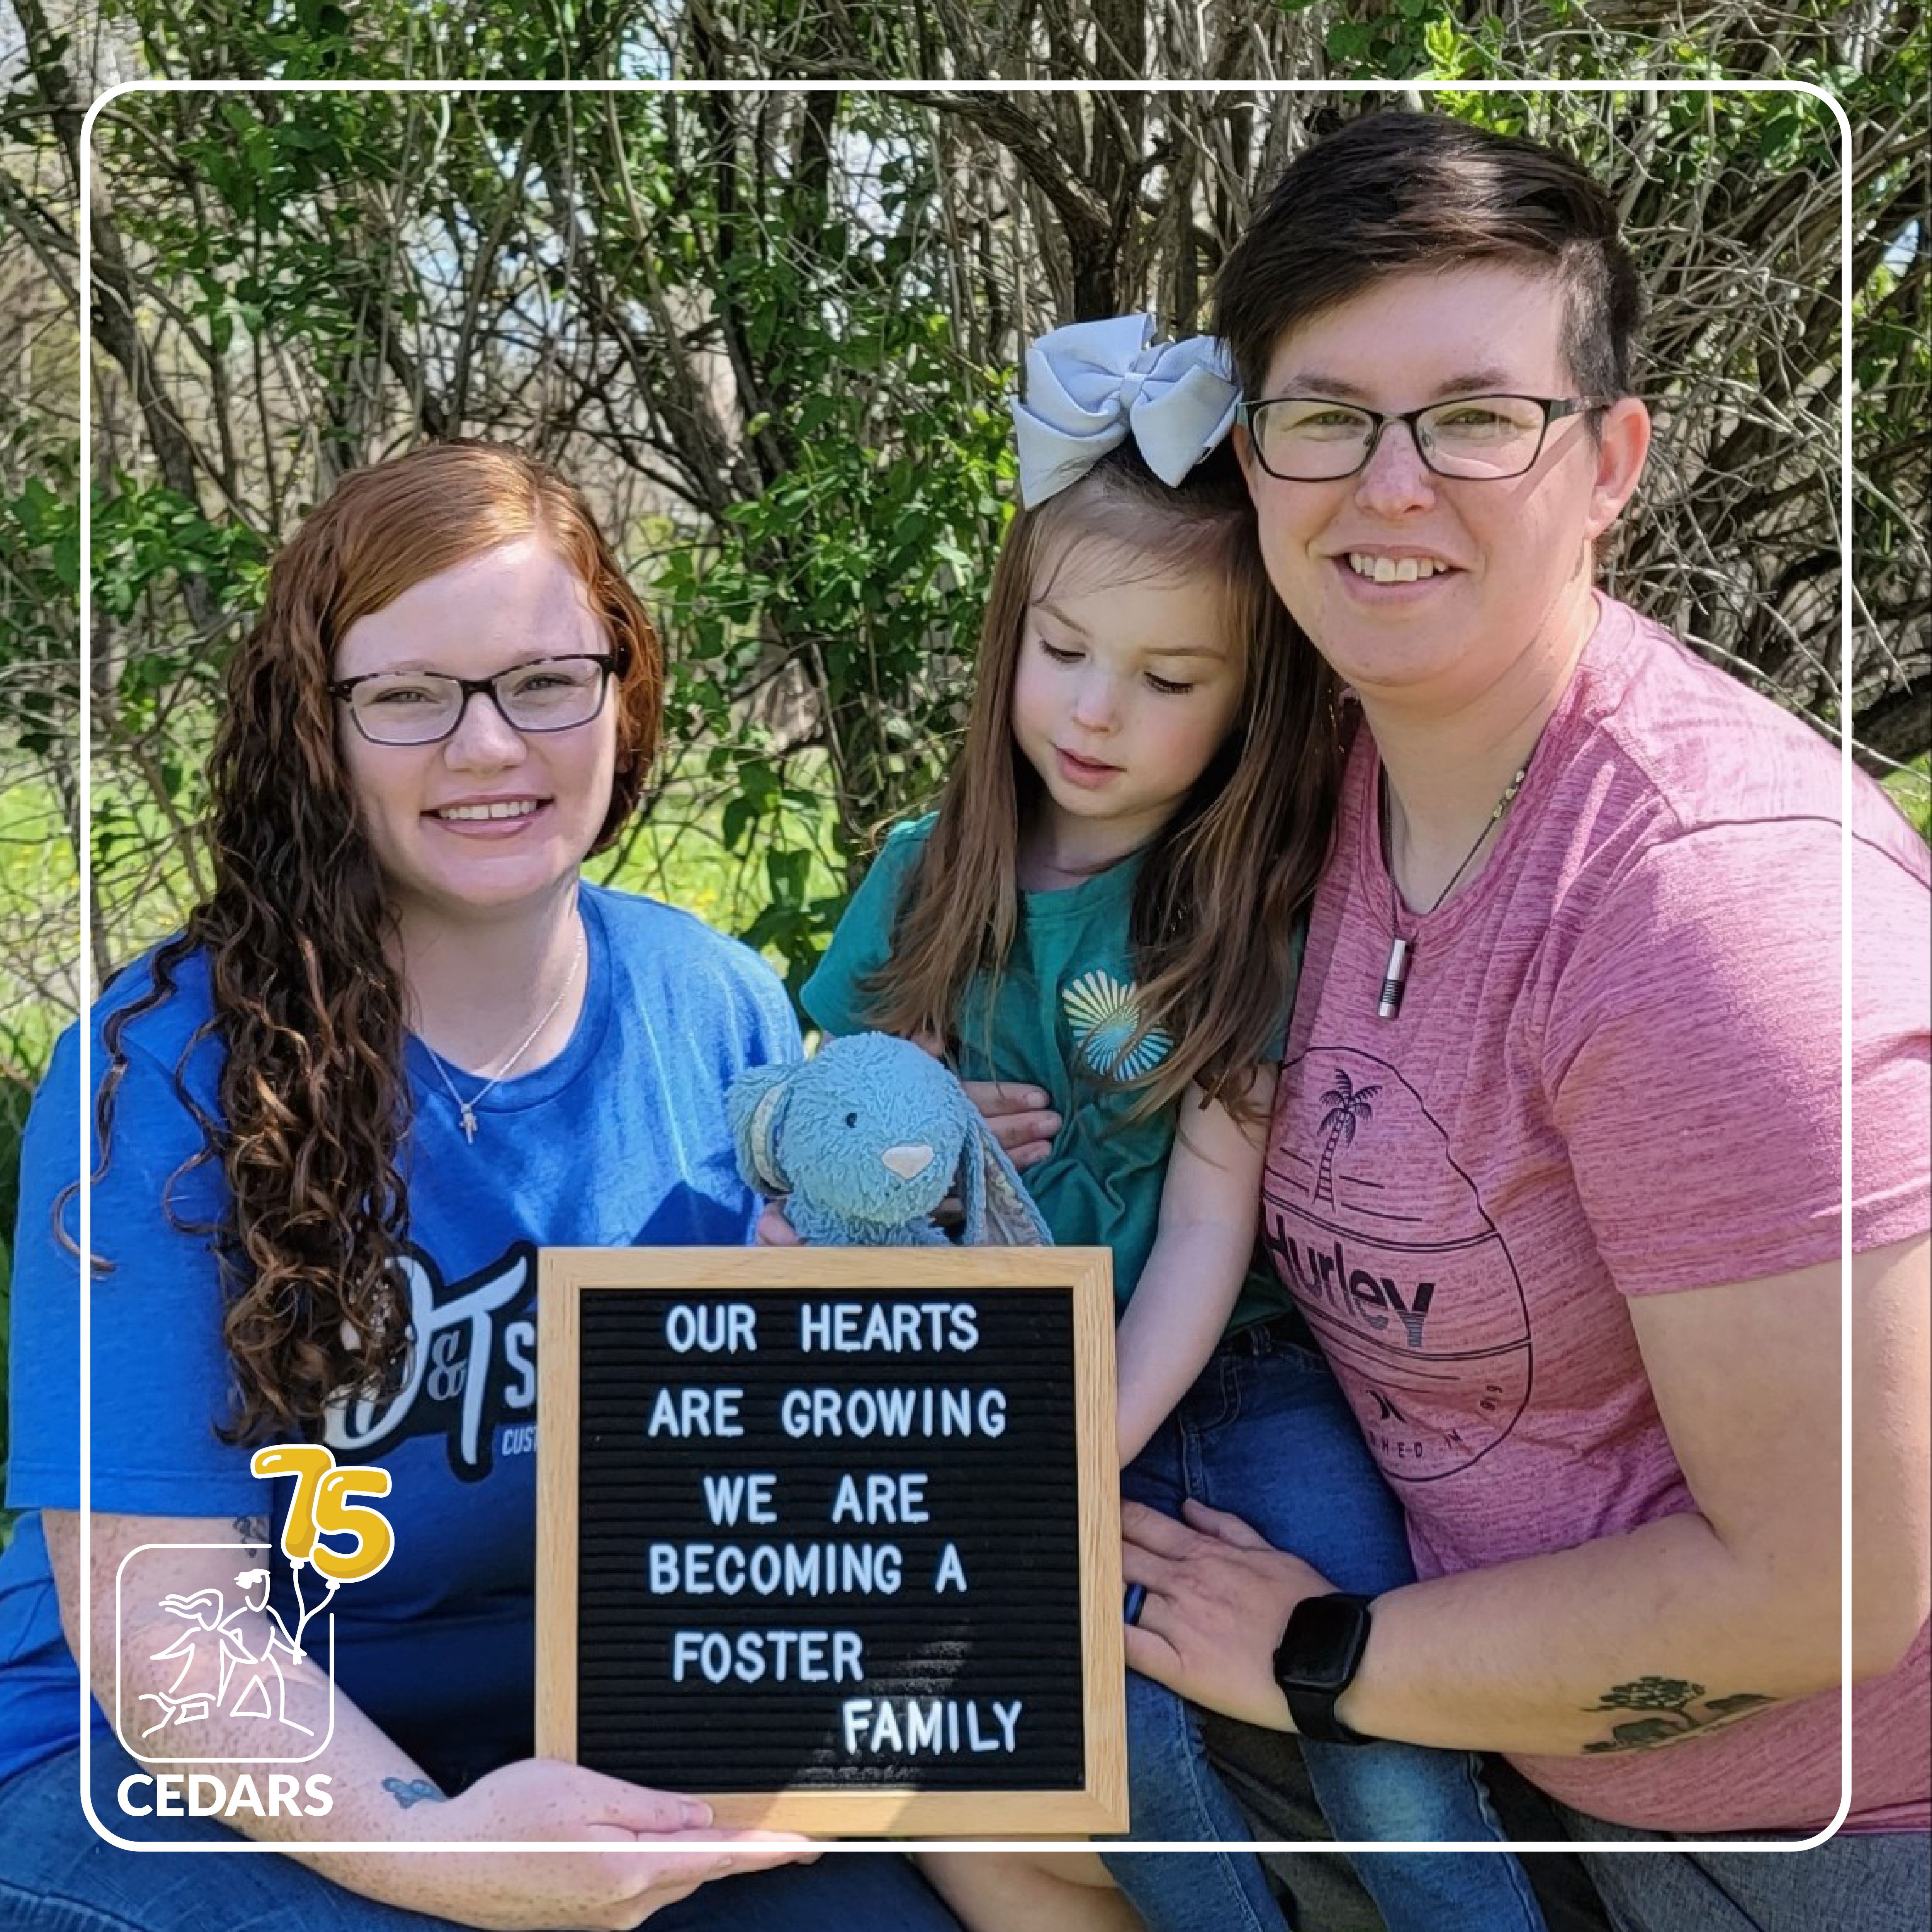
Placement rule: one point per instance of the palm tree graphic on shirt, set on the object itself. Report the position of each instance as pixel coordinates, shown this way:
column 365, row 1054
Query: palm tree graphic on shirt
column 1347, row 1103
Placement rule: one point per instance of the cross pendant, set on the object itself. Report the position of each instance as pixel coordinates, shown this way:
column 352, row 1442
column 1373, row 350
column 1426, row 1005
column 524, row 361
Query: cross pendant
column 469, row 1125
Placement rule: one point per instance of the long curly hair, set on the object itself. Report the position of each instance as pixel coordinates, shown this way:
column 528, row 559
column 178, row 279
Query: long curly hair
column 1214, row 906
column 310, row 1010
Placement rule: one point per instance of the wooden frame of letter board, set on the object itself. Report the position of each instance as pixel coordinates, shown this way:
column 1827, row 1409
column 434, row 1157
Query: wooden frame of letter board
column 567, row 1275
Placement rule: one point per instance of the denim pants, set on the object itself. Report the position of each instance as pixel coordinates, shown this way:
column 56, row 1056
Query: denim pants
column 57, row 1875
column 1266, row 1433
column 1857, row 1882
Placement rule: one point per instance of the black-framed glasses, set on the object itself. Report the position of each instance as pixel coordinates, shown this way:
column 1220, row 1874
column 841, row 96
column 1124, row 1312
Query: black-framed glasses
column 1478, row 438
column 423, row 707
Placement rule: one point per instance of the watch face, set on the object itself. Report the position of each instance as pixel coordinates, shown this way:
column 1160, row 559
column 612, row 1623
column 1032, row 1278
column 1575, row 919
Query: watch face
column 1323, row 1646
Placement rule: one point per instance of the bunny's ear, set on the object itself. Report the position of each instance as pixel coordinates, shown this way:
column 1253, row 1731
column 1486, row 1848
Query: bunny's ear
column 1000, row 1213
column 756, row 1104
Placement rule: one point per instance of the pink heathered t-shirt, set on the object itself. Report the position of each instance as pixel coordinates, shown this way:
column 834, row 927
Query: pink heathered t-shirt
column 1615, row 1073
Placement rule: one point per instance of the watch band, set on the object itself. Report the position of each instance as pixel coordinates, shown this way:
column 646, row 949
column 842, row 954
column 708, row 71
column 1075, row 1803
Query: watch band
column 1314, row 1715
column 1316, row 1660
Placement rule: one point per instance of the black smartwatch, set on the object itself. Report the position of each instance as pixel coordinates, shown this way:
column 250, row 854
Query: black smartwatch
column 1316, row 1660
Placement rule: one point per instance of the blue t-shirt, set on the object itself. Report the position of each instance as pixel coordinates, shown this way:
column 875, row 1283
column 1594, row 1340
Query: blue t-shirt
column 621, row 1141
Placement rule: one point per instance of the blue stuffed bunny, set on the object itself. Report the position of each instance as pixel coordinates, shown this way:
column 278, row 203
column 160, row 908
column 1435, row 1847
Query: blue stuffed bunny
column 865, row 1140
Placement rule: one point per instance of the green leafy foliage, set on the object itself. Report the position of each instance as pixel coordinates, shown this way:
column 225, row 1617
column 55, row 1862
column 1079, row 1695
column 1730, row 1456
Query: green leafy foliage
column 771, row 332
column 40, row 538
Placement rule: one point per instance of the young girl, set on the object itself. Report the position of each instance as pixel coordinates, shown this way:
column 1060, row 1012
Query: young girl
column 1103, row 906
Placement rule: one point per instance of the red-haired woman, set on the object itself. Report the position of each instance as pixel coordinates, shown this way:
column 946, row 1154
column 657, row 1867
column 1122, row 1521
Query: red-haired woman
column 399, row 1045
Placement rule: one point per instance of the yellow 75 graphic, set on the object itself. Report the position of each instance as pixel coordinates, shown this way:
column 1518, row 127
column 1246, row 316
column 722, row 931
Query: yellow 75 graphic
column 321, row 1507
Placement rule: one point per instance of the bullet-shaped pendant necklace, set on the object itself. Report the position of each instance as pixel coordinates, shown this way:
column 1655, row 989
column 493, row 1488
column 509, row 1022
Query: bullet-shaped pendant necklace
column 1402, row 951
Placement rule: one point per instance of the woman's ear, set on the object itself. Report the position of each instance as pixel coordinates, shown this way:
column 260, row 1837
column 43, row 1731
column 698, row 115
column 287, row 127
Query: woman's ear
column 1244, row 453
column 1621, row 446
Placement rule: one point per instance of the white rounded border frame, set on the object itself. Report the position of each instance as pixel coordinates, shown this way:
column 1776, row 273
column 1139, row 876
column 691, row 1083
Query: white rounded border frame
column 1414, row 89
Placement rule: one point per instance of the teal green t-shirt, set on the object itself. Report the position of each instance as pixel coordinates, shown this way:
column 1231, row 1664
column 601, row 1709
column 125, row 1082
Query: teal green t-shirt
column 1062, row 1012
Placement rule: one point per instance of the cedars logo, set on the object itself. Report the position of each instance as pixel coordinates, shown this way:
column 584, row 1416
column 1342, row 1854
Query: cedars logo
column 233, row 1695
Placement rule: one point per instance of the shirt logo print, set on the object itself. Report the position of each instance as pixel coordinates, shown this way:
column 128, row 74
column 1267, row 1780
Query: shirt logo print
column 1103, row 1016
column 1380, row 1233
column 1347, row 1104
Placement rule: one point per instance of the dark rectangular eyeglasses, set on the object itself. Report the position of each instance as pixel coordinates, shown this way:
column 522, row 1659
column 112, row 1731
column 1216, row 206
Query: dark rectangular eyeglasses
column 422, row 707
column 1313, row 439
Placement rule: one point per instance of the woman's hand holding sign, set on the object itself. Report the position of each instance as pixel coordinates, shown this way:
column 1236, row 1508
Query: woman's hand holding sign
column 662, row 1848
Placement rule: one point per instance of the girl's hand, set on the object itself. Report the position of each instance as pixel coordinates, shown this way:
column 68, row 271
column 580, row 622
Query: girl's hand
column 1020, row 1119
column 775, row 1231
column 661, row 1848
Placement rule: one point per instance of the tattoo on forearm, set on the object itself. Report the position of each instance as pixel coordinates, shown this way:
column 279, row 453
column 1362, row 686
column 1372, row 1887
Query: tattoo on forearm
column 1681, row 1710
column 413, row 1791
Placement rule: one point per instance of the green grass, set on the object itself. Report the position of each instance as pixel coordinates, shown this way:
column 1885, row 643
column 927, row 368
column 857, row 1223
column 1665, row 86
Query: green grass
column 1911, row 791
column 39, row 931
column 680, row 853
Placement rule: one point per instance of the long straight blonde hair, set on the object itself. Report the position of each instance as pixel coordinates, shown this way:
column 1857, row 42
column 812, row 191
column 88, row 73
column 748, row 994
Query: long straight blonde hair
column 1220, row 883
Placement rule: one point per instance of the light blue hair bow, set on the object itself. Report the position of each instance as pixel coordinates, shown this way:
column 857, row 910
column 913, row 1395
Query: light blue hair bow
column 1088, row 385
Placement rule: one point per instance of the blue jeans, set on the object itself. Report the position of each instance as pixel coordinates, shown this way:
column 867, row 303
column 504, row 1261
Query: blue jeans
column 1863, row 1882
column 57, row 1875
column 1266, row 1433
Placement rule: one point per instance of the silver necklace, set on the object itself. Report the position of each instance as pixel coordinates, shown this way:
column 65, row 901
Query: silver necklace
column 1402, row 951
column 465, row 1110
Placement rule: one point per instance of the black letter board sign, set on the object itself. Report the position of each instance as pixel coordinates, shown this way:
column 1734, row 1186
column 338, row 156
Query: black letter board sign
column 830, row 1536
